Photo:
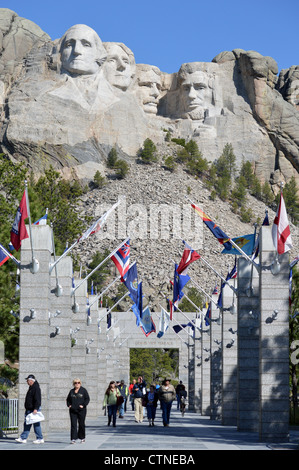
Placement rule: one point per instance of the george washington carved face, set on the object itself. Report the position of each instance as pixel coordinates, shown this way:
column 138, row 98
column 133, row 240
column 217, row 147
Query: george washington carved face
column 81, row 51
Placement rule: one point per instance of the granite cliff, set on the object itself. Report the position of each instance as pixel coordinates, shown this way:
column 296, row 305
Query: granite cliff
column 68, row 101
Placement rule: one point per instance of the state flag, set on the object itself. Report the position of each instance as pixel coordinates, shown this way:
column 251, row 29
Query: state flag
column 19, row 231
column 147, row 324
column 188, row 257
column 216, row 231
column 121, row 259
column 3, row 255
column 281, row 233
column 245, row 242
column 164, row 323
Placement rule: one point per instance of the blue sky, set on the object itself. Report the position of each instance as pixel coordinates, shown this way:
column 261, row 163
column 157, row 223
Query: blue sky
column 167, row 33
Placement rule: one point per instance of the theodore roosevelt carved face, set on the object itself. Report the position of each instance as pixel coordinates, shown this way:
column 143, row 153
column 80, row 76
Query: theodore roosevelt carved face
column 148, row 87
column 81, row 51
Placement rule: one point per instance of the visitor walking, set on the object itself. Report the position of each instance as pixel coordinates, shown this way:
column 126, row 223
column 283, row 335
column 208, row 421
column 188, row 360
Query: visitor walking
column 110, row 400
column 179, row 389
column 151, row 400
column 123, row 389
column 166, row 395
column 77, row 401
column 32, row 404
column 139, row 390
column 131, row 393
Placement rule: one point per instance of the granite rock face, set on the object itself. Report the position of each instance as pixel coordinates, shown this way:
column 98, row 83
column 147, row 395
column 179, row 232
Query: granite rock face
column 68, row 101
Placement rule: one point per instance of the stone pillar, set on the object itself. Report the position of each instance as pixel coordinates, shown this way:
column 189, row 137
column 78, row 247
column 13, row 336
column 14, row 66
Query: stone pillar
column 216, row 360
column 197, row 361
column 102, row 360
column 248, row 347
column 92, row 359
column 205, row 368
column 229, row 357
column 60, row 346
column 274, row 344
column 35, row 303
column 78, row 334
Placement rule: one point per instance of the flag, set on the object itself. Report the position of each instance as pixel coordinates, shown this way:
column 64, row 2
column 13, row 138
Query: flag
column 281, row 233
column 216, row 231
column 137, row 307
column 42, row 220
column 18, row 231
column 189, row 255
column 246, row 243
column 290, row 286
column 164, row 323
column 170, row 308
column 231, row 275
column 179, row 283
column 3, row 256
column 256, row 248
column 109, row 321
column 178, row 328
column 294, row 262
column 208, row 315
column 131, row 282
column 121, row 259
column 95, row 227
column 147, row 324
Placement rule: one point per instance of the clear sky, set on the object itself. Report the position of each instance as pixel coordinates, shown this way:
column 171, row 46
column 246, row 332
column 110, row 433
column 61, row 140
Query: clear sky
column 167, row 33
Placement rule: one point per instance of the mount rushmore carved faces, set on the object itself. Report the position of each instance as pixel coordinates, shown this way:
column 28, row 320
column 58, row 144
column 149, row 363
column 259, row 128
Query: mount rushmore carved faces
column 119, row 67
column 149, row 87
column 196, row 93
column 82, row 51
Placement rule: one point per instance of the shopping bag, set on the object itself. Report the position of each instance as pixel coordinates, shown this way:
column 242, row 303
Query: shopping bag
column 34, row 418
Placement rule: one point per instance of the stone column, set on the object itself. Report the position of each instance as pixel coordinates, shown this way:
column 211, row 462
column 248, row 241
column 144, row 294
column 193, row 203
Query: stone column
column 216, row 360
column 102, row 360
column 229, row 357
column 78, row 334
column 197, row 361
column 205, row 368
column 92, row 359
column 35, row 303
column 60, row 346
column 274, row 344
column 248, row 347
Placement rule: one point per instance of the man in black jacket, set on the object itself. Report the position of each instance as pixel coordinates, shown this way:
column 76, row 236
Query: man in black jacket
column 32, row 404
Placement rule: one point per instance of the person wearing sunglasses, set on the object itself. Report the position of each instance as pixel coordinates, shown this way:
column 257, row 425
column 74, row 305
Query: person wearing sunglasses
column 77, row 401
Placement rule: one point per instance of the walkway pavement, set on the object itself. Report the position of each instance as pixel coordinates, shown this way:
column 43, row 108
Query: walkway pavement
column 189, row 434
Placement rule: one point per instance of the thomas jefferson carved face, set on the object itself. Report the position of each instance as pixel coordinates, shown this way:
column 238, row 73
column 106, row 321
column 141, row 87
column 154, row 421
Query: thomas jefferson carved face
column 81, row 51
column 119, row 66
column 149, row 88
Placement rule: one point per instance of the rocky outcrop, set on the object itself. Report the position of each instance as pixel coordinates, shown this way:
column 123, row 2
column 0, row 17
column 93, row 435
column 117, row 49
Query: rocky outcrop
column 68, row 105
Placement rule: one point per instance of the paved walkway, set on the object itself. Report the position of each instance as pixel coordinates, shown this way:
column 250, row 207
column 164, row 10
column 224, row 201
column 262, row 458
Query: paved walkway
column 191, row 433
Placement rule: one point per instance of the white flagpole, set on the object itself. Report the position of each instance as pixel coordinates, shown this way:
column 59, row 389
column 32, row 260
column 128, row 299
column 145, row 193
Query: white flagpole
column 35, row 264
column 108, row 311
column 18, row 263
column 236, row 246
column 108, row 287
column 98, row 266
column 104, row 217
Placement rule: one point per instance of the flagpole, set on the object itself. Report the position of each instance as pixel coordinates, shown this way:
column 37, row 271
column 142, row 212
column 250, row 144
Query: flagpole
column 58, row 286
column 98, row 266
column 52, row 265
column 182, row 329
column 108, row 287
column 18, row 263
column 221, row 277
column 125, row 295
column 199, row 287
column 235, row 245
column 35, row 264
